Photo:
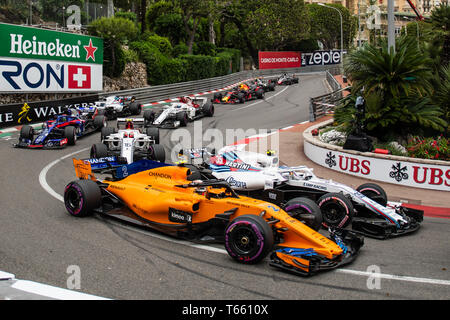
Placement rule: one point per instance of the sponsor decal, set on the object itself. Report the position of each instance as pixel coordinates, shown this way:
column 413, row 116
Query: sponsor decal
column 179, row 216
column 314, row 186
column 236, row 183
column 318, row 58
column 101, row 160
column 159, row 175
column 279, row 59
column 238, row 165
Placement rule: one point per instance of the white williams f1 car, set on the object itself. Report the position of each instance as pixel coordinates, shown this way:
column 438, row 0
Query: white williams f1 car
column 180, row 113
column 129, row 143
column 114, row 106
column 260, row 176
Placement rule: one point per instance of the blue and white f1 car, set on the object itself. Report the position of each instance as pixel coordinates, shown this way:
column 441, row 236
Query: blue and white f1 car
column 260, row 176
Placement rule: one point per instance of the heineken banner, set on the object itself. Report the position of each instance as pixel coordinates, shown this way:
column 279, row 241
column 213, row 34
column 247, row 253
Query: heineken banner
column 37, row 60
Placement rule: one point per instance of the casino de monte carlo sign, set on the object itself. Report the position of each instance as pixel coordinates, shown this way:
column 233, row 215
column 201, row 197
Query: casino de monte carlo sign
column 36, row 60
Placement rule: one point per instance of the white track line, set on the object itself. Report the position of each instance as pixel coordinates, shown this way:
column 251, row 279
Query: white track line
column 43, row 175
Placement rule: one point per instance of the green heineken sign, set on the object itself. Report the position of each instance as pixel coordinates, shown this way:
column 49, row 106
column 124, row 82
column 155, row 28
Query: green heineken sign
column 35, row 60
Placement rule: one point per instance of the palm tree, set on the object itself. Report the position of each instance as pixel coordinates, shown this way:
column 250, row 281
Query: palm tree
column 396, row 87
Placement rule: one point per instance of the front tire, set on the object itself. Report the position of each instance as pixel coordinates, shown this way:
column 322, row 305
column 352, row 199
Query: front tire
column 82, row 197
column 99, row 150
column 248, row 239
column 26, row 132
column 337, row 210
column 374, row 192
column 71, row 134
column 306, row 211
column 156, row 152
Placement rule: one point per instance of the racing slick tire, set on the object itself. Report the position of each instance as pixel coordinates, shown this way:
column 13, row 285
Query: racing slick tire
column 337, row 210
column 156, row 152
column 272, row 86
column 183, row 118
column 106, row 131
column 208, row 109
column 241, row 97
column 81, row 197
column 374, row 192
column 26, row 132
column 70, row 133
column 259, row 93
column 99, row 150
column 248, row 239
column 135, row 108
column 306, row 211
column 100, row 121
column 153, row 133
column 149, row 117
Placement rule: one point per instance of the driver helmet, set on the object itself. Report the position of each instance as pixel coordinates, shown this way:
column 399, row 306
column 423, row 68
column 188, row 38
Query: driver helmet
column 129, row 125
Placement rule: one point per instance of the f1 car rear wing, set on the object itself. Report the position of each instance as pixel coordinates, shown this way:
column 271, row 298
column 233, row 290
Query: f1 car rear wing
column 139, row 122
column 116, row 166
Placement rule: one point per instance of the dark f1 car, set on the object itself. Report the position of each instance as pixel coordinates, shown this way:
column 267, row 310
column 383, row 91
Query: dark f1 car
column 166, row 198
column 266, row 85
column 115, row 106
column 59, row 132
column 239, row 94
column 287, row 79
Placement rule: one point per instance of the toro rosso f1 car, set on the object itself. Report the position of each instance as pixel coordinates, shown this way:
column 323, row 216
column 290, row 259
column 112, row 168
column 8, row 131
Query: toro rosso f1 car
column 179, row 114
column 260, row 176
column 165, row 197
column 59, row 132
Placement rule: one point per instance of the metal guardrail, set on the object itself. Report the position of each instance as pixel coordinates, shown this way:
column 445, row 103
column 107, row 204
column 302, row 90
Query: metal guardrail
column 162, row 92
column 325, row 104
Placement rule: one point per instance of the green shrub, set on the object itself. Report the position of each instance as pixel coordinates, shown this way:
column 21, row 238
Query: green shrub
column 179, row 49
column 171, row 26
column 153, row 59
column 162, row 43
column 234, row 54
column 126, row 15
column 205, row 48
column 198, row 67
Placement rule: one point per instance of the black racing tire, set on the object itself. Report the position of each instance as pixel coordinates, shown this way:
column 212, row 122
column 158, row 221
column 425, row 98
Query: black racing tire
column 183, row 118
column 272, row 86
column 248, row 239
column 70, row 133
column 149, row 117
column 100, row 121
column 156, row 152
column 81, row 197
column 217, row 96
column 306, row 211
column 135, row 108
column 99, row 150
column 208, row 109
column 153, row 133
column 337, row 210
column 374, row 192
column 259, row 93
column 106, row 131
column 26, row 132
column 241, row 97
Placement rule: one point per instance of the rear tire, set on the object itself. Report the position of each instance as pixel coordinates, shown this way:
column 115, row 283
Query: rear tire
column 248, row 239
column 306, row 211
column 106, row 131
column 153, row 133
column 135, row 108
column 149, row 116
column 100, row 122
column 208, row 109
column 82, row 197
column 337, row 210
column 374, row 192
column 99, row 150
column 156, row 152
column 183, row 118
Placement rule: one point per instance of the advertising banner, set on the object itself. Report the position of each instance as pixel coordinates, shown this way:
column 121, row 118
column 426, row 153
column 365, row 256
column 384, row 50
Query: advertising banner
column 320, row 58
column 37, row 60
column 32, row 112
column 279, row 59
column 410, row 174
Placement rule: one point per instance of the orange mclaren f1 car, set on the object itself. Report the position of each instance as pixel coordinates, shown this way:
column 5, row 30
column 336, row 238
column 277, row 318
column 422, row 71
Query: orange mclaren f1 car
column 165, row 197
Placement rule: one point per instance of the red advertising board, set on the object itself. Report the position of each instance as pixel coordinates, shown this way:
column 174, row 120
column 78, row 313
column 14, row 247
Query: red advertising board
column 279, row 59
